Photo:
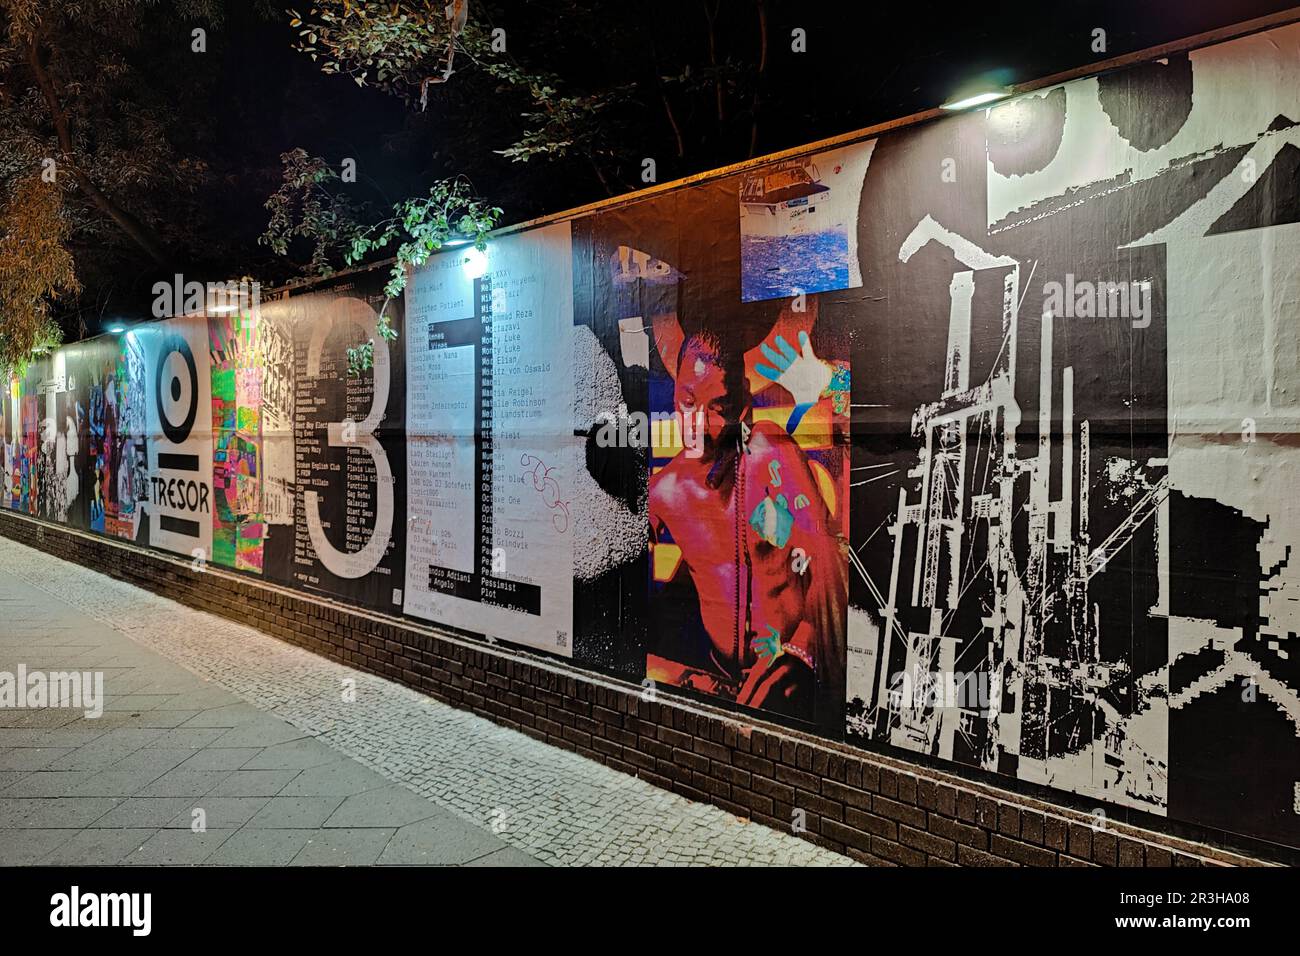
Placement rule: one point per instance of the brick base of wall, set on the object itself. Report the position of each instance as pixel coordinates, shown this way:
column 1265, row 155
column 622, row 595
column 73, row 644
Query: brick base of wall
column 874, row 808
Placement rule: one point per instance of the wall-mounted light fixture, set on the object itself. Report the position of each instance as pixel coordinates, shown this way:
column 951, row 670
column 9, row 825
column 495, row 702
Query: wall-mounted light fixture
column 474, row 262
column 976, row 99
column 981, row 89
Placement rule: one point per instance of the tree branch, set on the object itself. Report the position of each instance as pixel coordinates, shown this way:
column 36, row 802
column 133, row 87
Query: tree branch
column 713, row 61
column 663, row 96
column 134, row 229
column 758, row 80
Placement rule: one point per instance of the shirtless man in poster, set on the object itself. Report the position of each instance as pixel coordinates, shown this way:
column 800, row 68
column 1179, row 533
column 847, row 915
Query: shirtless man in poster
column 742, row 504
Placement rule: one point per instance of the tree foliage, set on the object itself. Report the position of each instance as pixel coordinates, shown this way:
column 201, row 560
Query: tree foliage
column 74, row 91
column 309, row 206
column 602, row 85
column 102, row 96
column 36, row 269
column 421, row 227
column 403, row 48
column 400, row 47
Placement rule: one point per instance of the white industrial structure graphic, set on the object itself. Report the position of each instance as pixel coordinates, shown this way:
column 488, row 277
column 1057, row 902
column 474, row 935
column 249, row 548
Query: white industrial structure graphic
column 968, row 467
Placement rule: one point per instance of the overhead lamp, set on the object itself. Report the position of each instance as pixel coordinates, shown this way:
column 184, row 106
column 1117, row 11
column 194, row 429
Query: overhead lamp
column 980, row 98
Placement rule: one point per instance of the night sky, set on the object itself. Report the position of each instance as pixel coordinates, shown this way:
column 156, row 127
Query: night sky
column 866, row 63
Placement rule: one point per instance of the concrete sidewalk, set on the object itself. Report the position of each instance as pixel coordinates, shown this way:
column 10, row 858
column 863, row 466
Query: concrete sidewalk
column 170, row 747
column 293, row 759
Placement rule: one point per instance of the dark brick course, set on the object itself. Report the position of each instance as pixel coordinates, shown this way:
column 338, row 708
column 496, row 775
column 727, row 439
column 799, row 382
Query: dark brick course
column 876, row 809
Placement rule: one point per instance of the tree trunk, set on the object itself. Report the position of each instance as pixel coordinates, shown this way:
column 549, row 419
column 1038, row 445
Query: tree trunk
column 663, row 97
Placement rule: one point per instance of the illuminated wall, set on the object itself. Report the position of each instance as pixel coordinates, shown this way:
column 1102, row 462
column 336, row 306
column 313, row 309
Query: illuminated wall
column 976, row 440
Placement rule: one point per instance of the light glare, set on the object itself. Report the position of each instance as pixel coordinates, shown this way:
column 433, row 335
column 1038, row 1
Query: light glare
column 979, row 99
column 475, row 263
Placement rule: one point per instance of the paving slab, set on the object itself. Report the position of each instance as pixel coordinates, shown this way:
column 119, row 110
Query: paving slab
column 218, row 812
column 441, row 841
column 342, row 778
column 31, row 758
column 507, row 856
column 185, row 783
column 284, row 813
column 260, row 848
column 253, row 783
column 95, row 758
column 27, row 847
column 10, row 777
column 21, row 813
column 112, row 783
column 225, row 715
column 137, row 812
column 205, row 713
column 157, row 759
column 52, row 783
column 301, row 754
column 221, row 758
column 96, row 847
column 392, row 804
column 265, row 731
column 177, row 848
column 359, row 846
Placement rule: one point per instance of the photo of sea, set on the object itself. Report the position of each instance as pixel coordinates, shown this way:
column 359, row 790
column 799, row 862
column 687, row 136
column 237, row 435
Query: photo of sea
column 798, row 224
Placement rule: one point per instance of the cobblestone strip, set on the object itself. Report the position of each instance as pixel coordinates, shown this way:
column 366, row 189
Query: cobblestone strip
column 556, row 806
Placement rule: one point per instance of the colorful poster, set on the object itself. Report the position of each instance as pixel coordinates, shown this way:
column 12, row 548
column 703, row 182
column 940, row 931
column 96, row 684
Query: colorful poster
column 10, row 416
column 238, row 521
column 61, row 412
column 116, row 440
column 748, row 509
column 734, row 416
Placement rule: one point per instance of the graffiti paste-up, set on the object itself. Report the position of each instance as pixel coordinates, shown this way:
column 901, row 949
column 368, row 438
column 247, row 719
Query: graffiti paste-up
column 1084, row 541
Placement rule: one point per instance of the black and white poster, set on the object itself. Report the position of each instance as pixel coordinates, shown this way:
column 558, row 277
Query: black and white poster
column 1073, row 429
column 490, row 451
column 349, row 445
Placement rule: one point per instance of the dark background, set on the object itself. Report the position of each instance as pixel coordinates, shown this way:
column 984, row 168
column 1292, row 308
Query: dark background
column 253, row 97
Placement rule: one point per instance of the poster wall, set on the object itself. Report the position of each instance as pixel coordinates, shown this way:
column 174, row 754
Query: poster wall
column 975, row 441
